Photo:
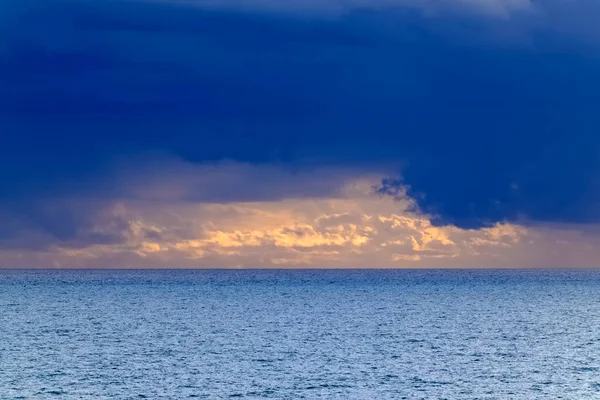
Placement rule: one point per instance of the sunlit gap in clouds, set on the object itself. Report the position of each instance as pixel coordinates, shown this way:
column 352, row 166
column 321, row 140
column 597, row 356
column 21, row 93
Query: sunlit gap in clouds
column 349, row 225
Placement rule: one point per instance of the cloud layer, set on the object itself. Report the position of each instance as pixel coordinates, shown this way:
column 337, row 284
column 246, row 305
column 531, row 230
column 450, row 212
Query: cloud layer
column 489, row 118
column 349, row 228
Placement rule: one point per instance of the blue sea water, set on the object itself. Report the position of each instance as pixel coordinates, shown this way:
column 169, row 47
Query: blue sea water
column 300, row 334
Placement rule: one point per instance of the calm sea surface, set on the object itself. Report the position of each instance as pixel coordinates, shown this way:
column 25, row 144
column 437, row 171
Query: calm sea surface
column 300, row 334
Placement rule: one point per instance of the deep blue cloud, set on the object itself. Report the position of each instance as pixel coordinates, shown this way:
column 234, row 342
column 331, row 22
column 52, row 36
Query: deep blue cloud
column 492, row 119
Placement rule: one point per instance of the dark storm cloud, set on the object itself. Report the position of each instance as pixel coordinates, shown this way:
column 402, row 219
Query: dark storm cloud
column 494, row 116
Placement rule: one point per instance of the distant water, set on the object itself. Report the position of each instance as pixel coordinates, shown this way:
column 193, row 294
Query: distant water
column 300, row 334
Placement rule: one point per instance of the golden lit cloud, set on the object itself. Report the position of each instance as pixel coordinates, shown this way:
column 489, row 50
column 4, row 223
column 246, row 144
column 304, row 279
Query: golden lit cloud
column 354, row 229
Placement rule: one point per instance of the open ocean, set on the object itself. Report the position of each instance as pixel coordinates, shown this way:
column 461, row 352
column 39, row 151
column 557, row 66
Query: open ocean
column 314, row 334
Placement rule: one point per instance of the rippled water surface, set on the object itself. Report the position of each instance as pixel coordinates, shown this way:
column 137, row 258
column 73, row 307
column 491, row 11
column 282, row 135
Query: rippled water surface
column 300, row 334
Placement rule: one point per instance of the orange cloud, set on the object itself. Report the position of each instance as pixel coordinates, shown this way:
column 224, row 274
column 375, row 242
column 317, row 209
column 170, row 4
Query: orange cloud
column 355, row 230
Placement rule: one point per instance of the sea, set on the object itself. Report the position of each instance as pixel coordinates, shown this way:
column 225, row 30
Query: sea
column 300, row 334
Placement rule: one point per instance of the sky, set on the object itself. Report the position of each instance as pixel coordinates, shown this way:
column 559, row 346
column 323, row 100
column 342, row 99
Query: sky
column 299, row 134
